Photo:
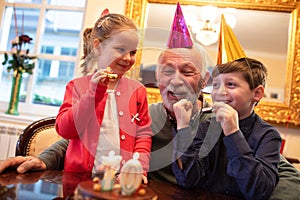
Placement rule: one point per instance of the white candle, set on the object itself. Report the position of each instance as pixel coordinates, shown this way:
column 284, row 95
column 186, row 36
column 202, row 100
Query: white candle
column 131, row 175
column 111, row 165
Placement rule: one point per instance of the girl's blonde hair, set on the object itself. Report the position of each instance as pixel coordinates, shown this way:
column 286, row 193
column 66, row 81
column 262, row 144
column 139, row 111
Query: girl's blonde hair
column 103, row 29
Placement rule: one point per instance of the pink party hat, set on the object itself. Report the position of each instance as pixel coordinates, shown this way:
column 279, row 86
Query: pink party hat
column 179, row 36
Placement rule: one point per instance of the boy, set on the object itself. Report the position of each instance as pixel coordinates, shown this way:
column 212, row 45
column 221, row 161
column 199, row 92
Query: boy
column 235, row 152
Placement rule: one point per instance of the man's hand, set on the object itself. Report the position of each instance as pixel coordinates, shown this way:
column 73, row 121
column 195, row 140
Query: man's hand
column 183, row 112
column 22, row 164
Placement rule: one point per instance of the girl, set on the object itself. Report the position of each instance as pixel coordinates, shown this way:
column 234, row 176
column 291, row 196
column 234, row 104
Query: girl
column 105, row 110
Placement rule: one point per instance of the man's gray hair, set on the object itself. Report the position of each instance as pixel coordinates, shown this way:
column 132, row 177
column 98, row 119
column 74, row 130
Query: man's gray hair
column 203, row 66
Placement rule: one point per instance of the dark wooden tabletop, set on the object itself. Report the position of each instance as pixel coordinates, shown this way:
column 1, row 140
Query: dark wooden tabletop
column 62, row 185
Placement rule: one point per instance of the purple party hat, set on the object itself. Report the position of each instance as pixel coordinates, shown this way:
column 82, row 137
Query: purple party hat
column 179, row 36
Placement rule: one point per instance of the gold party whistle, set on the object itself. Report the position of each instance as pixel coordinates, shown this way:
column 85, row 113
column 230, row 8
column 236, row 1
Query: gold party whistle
column 109, row 74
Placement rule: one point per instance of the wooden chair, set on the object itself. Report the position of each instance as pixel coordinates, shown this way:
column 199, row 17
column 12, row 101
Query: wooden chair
column 36, row 137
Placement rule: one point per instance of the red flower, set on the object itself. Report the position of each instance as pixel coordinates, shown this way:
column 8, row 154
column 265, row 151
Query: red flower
column 25, row 39
column 21, row 61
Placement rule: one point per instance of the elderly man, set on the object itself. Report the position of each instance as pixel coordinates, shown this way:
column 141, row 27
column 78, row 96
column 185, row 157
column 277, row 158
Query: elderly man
column 180, row 76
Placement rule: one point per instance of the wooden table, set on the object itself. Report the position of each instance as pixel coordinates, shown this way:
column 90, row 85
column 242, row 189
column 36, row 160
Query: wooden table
column 62, row 185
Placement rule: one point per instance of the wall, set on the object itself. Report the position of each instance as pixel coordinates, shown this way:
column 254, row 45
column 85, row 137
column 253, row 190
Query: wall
column 96, row 7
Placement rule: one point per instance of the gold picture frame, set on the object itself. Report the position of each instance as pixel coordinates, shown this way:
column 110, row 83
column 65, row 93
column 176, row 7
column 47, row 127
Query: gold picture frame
column 273, row 112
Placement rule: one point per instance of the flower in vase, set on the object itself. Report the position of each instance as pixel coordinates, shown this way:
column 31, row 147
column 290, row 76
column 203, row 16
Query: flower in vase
column 21, row 61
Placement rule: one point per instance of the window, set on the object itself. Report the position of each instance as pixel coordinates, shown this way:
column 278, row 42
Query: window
column 55, row 27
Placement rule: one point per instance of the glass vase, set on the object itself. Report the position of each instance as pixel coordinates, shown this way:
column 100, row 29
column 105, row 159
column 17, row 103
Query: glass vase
column 15, row 93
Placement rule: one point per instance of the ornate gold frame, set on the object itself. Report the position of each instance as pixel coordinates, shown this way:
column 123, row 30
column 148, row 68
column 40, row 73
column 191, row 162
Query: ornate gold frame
column 286, row 112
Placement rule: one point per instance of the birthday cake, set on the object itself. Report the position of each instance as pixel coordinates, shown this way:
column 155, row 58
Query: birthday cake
column 128, row 185
column 92, row 189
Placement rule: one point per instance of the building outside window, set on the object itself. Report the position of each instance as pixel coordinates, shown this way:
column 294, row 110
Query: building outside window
column 55, row 27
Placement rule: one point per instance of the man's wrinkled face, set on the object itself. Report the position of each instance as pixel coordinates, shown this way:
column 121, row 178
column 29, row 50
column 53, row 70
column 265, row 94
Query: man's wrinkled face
column 179, row 76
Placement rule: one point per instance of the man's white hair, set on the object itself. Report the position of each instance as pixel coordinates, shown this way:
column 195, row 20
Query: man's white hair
column 205, row 60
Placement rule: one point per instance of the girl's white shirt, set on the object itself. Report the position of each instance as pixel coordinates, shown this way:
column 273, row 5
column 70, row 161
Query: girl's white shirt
column 109, row 138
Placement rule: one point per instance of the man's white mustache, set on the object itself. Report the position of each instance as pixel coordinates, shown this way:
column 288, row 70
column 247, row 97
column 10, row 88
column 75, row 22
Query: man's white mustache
column 182, row 91
column 178, row 90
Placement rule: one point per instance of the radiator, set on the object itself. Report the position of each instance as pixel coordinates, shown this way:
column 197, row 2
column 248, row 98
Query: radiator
column 9, row 135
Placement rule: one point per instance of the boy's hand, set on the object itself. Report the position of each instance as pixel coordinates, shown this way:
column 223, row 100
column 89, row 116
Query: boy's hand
column 227, row 116
column 183, row 112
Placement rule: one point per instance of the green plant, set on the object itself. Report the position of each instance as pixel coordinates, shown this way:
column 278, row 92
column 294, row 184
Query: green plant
column 21, row 61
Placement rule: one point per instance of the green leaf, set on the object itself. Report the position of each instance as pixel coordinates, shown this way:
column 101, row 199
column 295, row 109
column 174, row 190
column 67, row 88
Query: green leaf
column 5, row 59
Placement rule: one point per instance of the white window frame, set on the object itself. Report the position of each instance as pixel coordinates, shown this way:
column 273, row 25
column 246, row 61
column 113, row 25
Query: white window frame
column 30, row 112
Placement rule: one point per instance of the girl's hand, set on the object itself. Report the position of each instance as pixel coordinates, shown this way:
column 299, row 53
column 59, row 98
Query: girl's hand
column 183, row 112
column 227, row 116
column 145, row 180
column 99, row 77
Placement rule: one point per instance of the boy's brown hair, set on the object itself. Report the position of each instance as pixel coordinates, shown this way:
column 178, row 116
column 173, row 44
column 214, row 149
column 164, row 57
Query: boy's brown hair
column 254, row 72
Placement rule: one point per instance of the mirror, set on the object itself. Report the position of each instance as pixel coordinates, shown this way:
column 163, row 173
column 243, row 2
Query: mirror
column 282, row 103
